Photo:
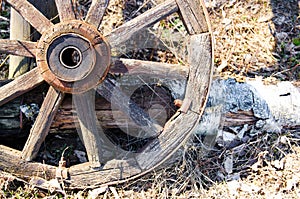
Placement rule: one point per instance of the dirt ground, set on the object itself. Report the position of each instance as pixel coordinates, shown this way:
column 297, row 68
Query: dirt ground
column 252, row 38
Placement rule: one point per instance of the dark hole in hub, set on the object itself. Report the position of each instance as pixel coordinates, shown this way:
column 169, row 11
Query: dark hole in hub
column 70, row 57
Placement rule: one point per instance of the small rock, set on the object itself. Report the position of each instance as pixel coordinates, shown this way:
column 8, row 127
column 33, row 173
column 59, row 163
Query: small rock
column 80, row 155
column 228, row 164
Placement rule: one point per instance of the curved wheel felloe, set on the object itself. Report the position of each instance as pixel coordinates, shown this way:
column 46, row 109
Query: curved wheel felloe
column 74, row 57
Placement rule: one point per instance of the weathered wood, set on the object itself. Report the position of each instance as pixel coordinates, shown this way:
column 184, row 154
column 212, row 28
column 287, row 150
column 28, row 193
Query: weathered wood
column 161, row 141
column 127, row 30
column 85, row 105
column 10, row 117
column 65, row 10
column 95, row 60
column 200, row 59
column 18, row 47
column 153, row 69
column 239, row 118
column 19, row 30
column 115, row 171
column 20, row 85
column 96, row 12
column 195, row 17
column 179, row 128
column 31, row 14
column 66, row 119
column 283, row 108
column 42, row 124
column 175, row 133
column 11, row 162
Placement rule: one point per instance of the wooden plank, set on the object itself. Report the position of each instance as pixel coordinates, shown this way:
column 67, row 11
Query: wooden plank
column 42, row 124
column 201, row 65
column 195, row 16
column 10, row 117
column 122, row 102
column 65, row 10
column 20, row 85
column 18, row 47
column 10, row 162
column 96, row 12
column 127, row 30
column 65, row 119
column 31, row 14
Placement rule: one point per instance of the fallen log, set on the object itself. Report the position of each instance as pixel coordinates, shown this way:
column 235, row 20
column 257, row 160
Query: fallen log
column 236, row 103
column 232, row 103
column 264, row 107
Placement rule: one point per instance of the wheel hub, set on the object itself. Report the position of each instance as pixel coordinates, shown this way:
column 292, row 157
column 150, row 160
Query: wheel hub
column 73, row 56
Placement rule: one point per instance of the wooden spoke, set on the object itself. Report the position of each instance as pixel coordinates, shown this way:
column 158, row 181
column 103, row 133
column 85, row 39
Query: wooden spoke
column 99, row 148
column 41, row 126
column 122, row 102
column 89, row 127
column 65, row 10
column 127, row 30
column 20, row 85
column 31, row 14
column 154, row 69
column 16, row 47
column 96, row 12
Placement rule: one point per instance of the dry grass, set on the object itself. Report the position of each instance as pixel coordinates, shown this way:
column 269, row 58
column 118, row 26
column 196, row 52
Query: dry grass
column 257, row 37
column 243, row 39
column 249, row 40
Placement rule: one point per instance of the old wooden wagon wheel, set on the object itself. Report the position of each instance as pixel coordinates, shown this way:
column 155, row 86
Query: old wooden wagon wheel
column 73, row 57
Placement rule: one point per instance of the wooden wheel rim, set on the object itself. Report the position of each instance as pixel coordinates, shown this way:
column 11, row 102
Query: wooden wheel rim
column 175, row 131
